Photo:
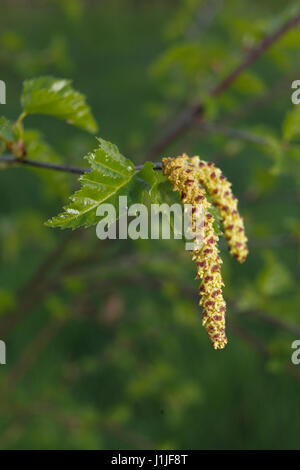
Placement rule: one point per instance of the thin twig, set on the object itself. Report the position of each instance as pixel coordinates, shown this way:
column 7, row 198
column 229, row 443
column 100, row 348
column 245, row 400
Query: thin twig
column 11, row 160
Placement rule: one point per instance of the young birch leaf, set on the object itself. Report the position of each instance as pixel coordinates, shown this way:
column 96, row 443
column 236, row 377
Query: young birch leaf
column 138, row 190
column 111, row 176
column 110, row 173
column 151, row 178
column 56, row 97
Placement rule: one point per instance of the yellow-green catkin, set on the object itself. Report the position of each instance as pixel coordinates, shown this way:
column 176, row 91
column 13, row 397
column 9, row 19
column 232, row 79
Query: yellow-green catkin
column 189, row 176
column 220, row 189
column 181, row 172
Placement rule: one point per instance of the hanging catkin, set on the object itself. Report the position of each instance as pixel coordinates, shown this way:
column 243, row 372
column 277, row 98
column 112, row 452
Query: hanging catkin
column 220, row 189
column 188, row 175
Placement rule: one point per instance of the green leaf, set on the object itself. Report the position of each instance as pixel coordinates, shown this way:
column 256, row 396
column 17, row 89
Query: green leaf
column 162, row 191
column 56, row 97
column 291, row 124
column 138, row 190
column 6, row 130
column 152, row 179
column 109, row 177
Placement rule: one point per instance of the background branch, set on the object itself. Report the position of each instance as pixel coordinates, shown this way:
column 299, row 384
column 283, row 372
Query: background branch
column 196, row 111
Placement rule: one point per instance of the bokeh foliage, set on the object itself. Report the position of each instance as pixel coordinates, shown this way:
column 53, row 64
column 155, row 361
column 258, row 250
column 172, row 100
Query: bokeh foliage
column 105, row 347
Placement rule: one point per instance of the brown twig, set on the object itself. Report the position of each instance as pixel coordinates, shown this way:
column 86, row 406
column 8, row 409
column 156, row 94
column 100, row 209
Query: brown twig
column 12, row 160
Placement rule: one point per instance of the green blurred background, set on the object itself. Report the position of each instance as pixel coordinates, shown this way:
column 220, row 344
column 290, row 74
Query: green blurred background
column 105, row 348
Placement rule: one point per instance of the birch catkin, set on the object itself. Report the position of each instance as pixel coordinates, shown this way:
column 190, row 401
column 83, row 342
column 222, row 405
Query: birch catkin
column 220, row 189
column 188, row 175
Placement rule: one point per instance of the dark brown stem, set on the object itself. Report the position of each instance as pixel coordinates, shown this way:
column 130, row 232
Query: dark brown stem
column 11, row 160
